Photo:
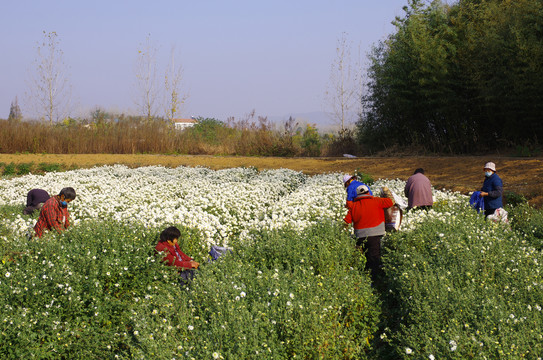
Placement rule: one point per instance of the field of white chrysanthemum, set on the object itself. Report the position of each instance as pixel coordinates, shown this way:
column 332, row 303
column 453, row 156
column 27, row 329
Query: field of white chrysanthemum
column 456, row 285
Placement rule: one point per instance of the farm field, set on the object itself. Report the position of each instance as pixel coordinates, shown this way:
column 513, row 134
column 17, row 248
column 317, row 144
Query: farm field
column 462, row 173
column 456, row 286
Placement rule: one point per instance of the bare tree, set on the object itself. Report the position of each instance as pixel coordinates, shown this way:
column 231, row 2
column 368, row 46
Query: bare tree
column 146, row 79
column 344, row 89
column 172, row 82
column 50, row 92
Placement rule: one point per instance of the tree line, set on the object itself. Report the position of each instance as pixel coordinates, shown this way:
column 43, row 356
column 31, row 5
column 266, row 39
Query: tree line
column 457, row 78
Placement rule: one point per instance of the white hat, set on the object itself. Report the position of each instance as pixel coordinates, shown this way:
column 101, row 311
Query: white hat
column 362, row 189
column 346, row 178
column 490, row 165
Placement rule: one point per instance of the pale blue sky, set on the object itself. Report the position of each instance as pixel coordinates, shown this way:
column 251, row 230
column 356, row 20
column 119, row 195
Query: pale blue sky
column 270, row 56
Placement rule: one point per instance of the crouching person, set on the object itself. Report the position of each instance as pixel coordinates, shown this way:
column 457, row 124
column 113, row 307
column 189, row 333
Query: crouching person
column 368, row 218
column 54, row 213
column 173, row 256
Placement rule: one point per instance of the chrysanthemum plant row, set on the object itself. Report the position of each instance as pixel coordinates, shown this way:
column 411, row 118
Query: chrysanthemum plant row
column 293, row 286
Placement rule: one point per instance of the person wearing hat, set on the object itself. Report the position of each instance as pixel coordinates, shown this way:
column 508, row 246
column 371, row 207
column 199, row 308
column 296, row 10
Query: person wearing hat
column 368, row 218
column 35, row 200
column 492, row 190
column 351, row 184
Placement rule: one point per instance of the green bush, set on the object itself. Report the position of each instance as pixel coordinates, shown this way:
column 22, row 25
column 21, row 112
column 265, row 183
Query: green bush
column 24, row 168
column 512, row 199
column 528, row 221
column 283, row 296
column 363, row 177
column 462, row 287
column 9, row 169
column 45, row 167
column 88, row 292
column 98, row 291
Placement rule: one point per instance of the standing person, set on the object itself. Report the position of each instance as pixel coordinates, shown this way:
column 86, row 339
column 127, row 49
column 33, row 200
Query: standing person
column 173, row 256
column 54, row 213
column 35, row 200
column 418, row 191
column 351, row 184
column 368, row 218
column 492, row 190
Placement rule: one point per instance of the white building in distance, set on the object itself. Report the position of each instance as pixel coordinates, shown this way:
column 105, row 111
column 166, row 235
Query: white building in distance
column 181, row 124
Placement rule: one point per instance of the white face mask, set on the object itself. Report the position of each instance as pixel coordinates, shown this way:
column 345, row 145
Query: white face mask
column 488, row 173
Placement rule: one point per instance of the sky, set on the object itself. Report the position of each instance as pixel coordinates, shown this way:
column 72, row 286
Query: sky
column 273, row 57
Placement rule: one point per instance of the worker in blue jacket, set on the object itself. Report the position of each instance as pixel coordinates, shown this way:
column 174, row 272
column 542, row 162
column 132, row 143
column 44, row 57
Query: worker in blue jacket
column 351, row 184
column 492, row 190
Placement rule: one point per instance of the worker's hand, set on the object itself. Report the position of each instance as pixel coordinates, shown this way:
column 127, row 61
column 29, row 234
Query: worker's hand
column 483, row 193
column 194, row 264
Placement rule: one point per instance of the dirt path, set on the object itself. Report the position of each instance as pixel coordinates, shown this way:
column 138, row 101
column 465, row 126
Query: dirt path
column 520, row 175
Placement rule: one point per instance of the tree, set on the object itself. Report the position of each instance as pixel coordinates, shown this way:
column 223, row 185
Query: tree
column 50, row 92
column 146, row 79
column 344, row 88
column 172, row 81
column 15, row 111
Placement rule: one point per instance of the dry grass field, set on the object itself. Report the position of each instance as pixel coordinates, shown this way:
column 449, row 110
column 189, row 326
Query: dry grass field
column 520, row 175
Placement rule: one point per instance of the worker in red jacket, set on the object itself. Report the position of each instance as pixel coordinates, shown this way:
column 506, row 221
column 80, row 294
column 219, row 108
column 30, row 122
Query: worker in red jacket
column 54, row 213
column 173, row 256
column 368, row 218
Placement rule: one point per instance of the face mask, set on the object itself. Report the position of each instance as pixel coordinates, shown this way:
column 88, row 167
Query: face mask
column 488, row 173
column 63, row 204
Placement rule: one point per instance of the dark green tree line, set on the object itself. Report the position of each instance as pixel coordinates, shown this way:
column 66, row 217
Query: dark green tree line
column 457, row 78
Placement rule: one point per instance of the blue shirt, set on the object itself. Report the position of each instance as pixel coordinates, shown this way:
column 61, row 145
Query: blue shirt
column 494, row 187
column 351, row 189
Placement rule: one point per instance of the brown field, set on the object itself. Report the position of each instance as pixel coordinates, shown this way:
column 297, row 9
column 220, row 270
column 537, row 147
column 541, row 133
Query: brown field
column 464, row 174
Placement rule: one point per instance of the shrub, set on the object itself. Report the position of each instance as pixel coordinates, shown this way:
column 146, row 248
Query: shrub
column 513, row 199
column 88, row 292
column 462, row 288
column 9, row 169
column 45, row 167
column 24, row 168
column 285, row 295
column 363, row 177
column 529, row 222
column 98, row 291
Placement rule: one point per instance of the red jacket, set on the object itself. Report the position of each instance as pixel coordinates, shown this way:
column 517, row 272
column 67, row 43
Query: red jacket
column 173, row 258
column 52, row 216
column 367, row 211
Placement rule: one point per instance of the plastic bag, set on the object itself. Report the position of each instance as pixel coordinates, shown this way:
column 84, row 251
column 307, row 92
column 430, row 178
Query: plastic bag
column 218, row 251
column 500, row 215
column 393, row 214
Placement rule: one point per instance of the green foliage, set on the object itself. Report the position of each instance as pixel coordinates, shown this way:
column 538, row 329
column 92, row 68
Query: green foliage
column 45, row 167
column 9, row 169
column 513, row 199
column 363, row 177
column 285, row 295
column 311, row 141
column 87, row 292
column 209, row 130
column 24, row 168
column 462, row 287
column 481, row 57
column 99, row 291
column 529, row 222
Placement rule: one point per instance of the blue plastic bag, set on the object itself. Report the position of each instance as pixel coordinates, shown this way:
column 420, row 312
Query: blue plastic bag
column 477, row 201
column 218, row 251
